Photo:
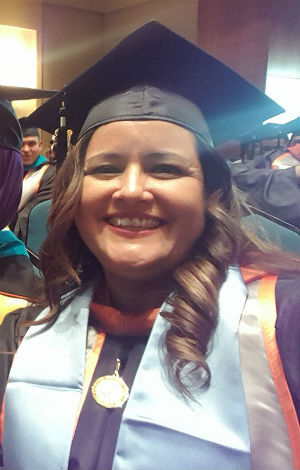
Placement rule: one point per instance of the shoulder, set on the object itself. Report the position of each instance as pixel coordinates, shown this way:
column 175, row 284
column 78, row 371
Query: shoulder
column 48, row 169
column 12, row 326
column 48, row 175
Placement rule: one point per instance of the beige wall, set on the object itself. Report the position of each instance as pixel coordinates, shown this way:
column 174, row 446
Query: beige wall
column 72, row 42
column 21, row 13
column 179, row 15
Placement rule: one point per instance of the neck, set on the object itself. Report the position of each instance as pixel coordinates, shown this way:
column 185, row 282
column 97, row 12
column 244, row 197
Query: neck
column 136, row 296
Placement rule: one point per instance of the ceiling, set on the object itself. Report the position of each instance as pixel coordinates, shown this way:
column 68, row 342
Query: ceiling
column 100, row 6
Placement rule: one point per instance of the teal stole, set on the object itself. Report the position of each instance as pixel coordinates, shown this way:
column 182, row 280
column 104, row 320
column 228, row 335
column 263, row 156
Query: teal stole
column 159, row 430
column 10, row 245
column 39, row 161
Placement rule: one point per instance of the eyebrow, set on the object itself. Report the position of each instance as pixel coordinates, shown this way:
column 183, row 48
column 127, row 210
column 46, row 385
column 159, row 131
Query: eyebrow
column 29, row 141
column 166, row 154
column 112, row 156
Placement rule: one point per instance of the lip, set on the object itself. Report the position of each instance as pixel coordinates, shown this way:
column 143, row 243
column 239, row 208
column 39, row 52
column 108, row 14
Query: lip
column 134, row 231
column 134, row 215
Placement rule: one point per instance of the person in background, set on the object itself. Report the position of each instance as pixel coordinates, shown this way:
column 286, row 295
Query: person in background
column 31, row 148
column 155, row 352
column 271, row 180
column 38, row 179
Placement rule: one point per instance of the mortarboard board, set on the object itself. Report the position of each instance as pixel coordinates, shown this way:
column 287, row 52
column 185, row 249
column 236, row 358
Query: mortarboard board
column 156, row 56
column 291, row 127
column 13, row 93
column 270, row 130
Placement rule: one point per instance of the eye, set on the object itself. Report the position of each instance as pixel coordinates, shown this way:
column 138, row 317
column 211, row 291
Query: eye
column 166, row 170
column 103, row 171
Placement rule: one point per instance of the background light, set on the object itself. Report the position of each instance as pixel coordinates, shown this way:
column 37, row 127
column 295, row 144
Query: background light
column 286, row 92
column 18, row 56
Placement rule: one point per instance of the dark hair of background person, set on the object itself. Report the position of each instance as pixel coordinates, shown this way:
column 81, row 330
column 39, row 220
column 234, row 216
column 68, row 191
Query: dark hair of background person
column 66, row 262
column 30, row 131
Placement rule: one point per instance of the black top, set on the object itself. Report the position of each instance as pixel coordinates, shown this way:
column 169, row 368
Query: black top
column 102, row 424
column 17, row 277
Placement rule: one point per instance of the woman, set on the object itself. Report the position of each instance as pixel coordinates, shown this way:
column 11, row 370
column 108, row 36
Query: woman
column 138, row 363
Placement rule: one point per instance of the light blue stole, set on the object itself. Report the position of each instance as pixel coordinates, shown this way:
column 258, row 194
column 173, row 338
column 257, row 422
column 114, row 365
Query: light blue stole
column 171, row 434
column 44, row 390
column 158, row 429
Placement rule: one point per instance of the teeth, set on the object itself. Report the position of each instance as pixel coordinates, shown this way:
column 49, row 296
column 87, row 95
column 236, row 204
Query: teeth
column 133, row 222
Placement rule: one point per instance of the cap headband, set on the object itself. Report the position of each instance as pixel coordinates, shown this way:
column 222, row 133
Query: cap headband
column 146, row 102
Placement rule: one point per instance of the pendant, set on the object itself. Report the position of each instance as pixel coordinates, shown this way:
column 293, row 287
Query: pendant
column 110, row 391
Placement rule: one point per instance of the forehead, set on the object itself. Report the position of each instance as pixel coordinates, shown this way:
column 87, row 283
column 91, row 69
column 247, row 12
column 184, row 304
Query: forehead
column 144, row 134
column 31, row 138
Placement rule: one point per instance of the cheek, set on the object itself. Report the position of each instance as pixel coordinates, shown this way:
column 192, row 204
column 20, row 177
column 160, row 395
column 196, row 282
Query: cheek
column 92, row 194
column 93, row 204
column 87, row 204
column 193, row 212
column 191, row 200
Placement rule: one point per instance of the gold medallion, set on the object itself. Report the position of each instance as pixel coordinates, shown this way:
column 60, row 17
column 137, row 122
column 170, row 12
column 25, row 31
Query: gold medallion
column 110, row 391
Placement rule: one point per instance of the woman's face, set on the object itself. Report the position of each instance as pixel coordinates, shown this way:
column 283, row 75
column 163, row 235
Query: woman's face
column 143, row 204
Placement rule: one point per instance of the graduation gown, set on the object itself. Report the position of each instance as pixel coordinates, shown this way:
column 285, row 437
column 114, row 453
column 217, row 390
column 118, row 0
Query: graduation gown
column 276, row 192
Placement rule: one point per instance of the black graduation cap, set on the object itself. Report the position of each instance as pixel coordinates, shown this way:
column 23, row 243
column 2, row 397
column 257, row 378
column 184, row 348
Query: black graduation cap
column 156, row 56
column 10, row 131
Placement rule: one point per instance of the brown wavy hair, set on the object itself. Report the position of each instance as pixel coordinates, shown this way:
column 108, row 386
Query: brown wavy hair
column 66, row 262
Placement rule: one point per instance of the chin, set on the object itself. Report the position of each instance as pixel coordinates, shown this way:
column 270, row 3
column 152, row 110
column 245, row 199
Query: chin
column 137, row 269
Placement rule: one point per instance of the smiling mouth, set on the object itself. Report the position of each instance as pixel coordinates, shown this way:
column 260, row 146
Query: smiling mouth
column 134, row 223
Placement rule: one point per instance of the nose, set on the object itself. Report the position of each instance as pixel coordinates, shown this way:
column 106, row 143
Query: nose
column 25, row 148
column 132, row 185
